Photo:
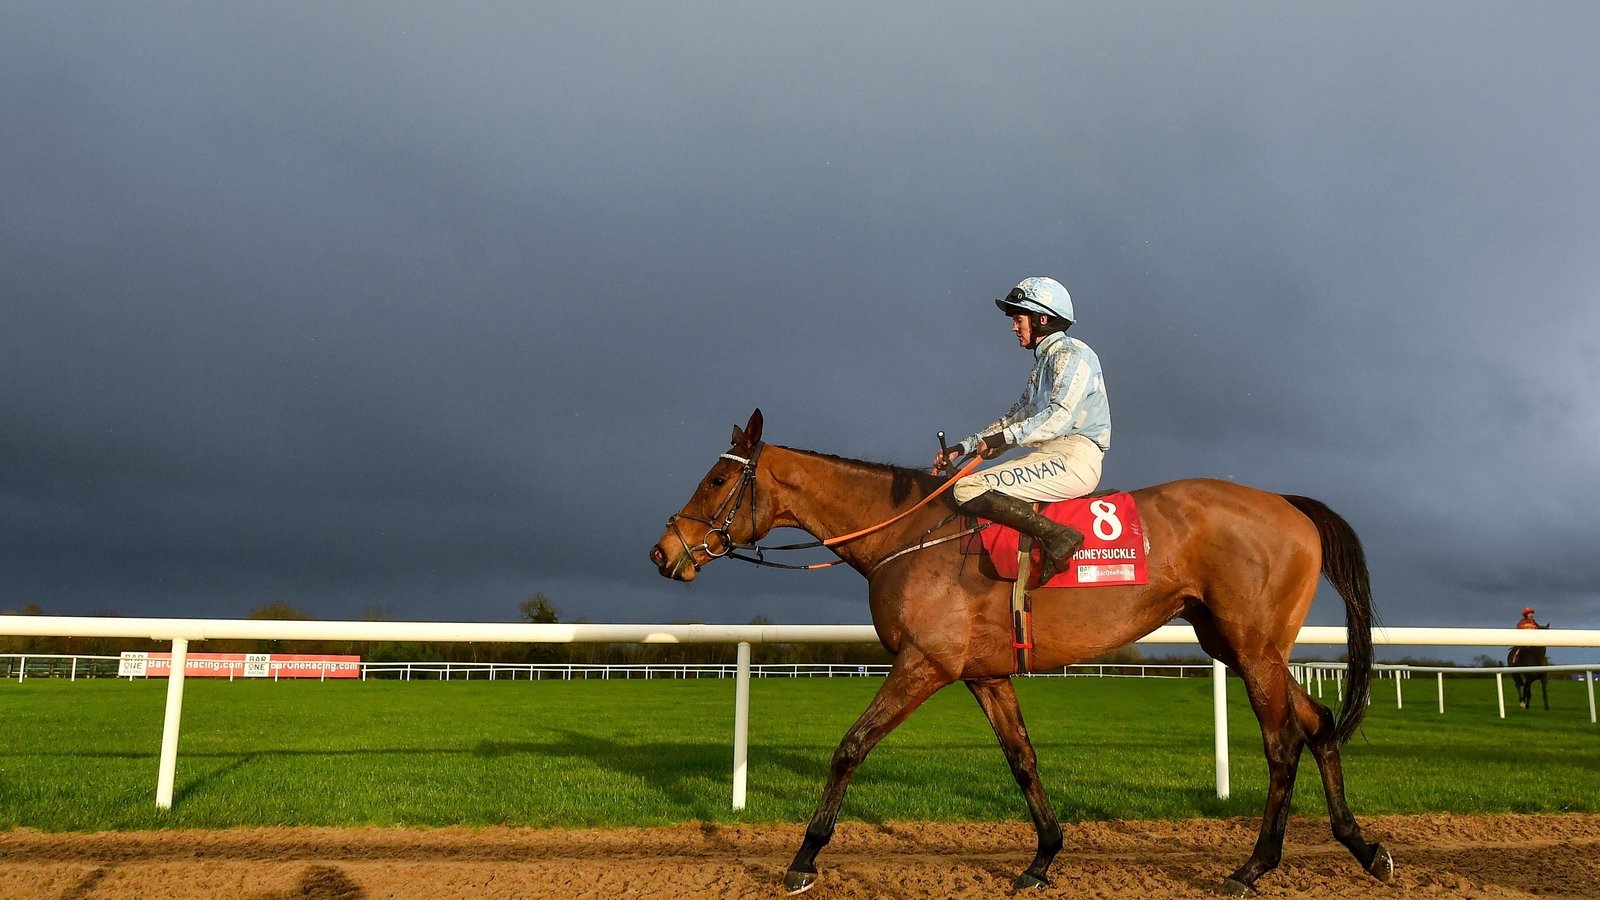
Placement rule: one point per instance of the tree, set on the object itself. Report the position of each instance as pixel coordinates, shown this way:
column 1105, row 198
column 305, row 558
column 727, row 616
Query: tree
column 541, row 610
column 278, row 611
column 30, row 644
column 101, row 646
column 43, row 643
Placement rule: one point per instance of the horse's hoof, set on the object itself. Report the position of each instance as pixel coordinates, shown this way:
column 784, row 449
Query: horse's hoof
column 1030, row 881
column 1233, row 887
column 797, row 882
column 1382, row 866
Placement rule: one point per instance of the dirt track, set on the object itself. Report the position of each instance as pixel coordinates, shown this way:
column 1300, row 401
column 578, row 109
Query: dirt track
column 1436, row 856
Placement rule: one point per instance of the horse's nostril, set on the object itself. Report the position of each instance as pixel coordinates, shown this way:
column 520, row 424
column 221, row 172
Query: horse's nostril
column 657, row 557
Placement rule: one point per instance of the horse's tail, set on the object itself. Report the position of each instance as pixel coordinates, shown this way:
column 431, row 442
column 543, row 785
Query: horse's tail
column 1344, row 564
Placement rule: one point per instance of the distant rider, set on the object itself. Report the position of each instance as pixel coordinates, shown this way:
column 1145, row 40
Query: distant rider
column 1527, row 620
column 1062, row 418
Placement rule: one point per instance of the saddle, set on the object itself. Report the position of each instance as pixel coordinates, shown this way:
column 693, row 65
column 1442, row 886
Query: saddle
column 1115, row 550
column 972, row 544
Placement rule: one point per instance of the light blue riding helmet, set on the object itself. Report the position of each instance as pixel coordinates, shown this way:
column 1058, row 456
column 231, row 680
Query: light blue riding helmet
column 1038, row 294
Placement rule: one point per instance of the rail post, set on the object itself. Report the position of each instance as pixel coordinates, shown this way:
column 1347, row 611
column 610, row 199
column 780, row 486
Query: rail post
column 1588, row 679
column 1440, row 676
column 1500, row 693
column 169, row 729
column 741, row 726
column 1219, row 709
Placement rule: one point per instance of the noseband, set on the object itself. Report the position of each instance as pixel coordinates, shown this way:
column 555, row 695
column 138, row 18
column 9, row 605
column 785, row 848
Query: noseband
column 724, row 543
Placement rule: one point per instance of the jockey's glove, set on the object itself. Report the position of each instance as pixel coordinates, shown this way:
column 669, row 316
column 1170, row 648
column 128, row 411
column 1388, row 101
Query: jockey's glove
column 992, row 445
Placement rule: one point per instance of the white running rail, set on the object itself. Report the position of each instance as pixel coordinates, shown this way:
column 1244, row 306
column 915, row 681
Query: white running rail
column 181, row 631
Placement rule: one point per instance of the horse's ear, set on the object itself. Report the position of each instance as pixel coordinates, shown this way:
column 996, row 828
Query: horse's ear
column 750, row 435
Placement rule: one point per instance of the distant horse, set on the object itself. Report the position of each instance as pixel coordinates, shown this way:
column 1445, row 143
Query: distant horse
column 1530, row 656
column 1239, row 564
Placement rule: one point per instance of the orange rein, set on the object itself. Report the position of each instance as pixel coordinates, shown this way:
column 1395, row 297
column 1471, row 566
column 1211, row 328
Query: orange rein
column 760, row 559
column 962, row 473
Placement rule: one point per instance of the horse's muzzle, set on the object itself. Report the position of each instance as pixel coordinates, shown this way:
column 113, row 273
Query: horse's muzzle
column 680, row 568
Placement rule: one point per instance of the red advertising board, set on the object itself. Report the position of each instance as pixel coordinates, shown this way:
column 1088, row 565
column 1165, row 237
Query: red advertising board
column 243, row 665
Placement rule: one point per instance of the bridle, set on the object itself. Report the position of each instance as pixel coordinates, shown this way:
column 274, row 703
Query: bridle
column 726, row 546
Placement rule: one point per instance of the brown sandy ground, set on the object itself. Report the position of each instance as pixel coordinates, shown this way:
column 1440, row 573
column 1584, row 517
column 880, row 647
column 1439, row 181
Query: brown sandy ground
column 1435, row 856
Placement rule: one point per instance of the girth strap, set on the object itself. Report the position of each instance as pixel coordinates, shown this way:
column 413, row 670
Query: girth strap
column 1022, row 608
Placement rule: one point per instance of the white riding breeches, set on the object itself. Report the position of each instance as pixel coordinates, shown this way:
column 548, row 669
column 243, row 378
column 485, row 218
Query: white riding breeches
column 1062, row 469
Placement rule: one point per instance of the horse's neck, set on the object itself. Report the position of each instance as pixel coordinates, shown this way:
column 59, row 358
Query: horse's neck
column 827, row 496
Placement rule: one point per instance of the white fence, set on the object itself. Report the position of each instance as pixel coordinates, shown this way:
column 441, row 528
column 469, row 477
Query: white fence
column 50, row 665
column 1311, row 675
column 408, row 671
column 74, row 666
column 181, row 631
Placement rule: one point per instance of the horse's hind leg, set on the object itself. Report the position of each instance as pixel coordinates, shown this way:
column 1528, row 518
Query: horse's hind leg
column 998, row 699
column 1267, row 681
column 911, row 681
column 1544, row 690
column 1317, row 723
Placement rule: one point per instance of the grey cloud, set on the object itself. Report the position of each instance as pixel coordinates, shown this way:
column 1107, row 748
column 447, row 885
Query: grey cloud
column 436, row 309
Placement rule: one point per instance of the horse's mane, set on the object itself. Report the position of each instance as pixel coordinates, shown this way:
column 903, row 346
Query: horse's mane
column 902, row 480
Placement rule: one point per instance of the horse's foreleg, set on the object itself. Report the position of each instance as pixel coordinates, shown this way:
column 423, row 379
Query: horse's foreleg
column 998, row 699
column 911, row 681
column 1267, row 682
column 1544, row 690
column 1317, row 723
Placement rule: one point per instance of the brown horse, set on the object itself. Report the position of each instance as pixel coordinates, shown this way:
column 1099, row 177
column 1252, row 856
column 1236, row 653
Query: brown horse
column 1240, row 565
column 1530, row 656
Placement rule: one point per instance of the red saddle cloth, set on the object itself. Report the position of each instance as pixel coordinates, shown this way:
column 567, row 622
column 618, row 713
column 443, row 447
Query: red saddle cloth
column 1113, row 549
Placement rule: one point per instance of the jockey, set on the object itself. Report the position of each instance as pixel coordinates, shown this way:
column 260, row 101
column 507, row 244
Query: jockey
column 1062, row 419
column 1527, row 620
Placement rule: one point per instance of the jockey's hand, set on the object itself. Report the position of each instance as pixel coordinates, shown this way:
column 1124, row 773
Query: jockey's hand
column 991, row 446
column 944, row 459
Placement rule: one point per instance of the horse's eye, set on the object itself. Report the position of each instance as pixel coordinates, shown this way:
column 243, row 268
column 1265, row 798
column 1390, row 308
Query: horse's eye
column 718, row 481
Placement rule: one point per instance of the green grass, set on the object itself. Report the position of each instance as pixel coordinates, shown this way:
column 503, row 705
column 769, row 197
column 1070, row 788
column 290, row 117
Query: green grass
column 83, row 756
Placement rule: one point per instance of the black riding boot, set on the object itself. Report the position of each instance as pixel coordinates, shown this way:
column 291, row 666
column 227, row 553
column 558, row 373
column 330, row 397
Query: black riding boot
column 1057, row 542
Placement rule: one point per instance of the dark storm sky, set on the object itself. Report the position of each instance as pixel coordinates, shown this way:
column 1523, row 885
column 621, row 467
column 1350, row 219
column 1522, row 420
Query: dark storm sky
column 429, row 307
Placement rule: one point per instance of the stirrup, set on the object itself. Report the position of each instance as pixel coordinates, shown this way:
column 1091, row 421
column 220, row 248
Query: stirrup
column 1048, row 568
